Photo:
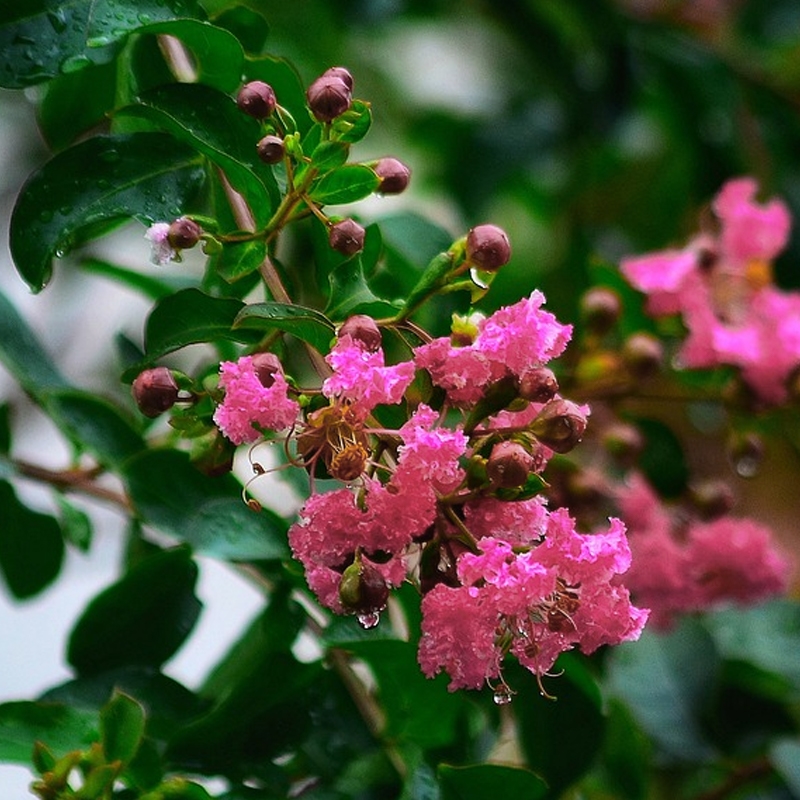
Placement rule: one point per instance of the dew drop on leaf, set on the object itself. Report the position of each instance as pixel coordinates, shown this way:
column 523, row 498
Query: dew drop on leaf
column 75, row 63
column 368, row 621
column 57, row 19
column 502, row 696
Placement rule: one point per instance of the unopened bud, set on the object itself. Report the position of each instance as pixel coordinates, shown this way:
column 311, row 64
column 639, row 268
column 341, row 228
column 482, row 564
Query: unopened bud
column 624, row 442
column 363, row 589
column 256, row 99
column 711, row 498
column 643, row 355
column 560, row 425
column 184, row 233
column 342, row 73
column 271, row 149
column 266, row 367
column 394, row 176
column 538, row 385
column 155, row 391
column 509, row 465
column 347, row 237
column 364, row 330
column 600, row 309
column 329, row 96
column 488, row 247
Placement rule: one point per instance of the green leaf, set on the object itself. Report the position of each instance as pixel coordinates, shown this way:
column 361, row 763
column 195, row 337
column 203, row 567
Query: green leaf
column 141, row 620
column 346, row 184
column 147, row 285
column 350, row 293
column 98, row 182
column 353, row 125
column 31, row 546
column 41, row 40
column 210, row 122
column 23, row 356
column 248, row 26
column 122, row 725
column 327, row 156
column 307, row 324
column 61, row 727
column 666, row 679
column 76, row 527
column 5, row 428
column 96, row 425
column 785, row 757
column 208, row 513
column 238, row 259
column 662, row 460
column 489, row 780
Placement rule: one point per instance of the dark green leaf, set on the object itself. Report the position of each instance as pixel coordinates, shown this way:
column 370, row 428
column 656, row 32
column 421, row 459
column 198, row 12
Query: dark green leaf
column 350, row 293
column 150, row 286
column 149, row 176
column 662, row 460
column 307, row 324
column 489, row 780
column 141, row 620
column 96, row 425
column 346, row 184
column 210, row 122
column 327, row 156
column 666, row 679
column 41, row 41
column 61, row 727
column 5, row 428
column 248, row 26
column 626, row 754
column 31, row 546
column 237, row 259
column 785, row 757
column 208, row 513
column 23, row 356
column 76, row 526
column 121, row 728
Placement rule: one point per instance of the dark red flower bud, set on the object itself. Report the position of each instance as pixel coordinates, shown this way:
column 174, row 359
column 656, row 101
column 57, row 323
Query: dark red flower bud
column 538, row 385
column 600, row 309
column 394, row 176
column 509, row 465
column 267, row 366
column 347, row 237
column 342, row 73
column 328, row 97
column 271, row 149
column 363, row 589
column 560, row 425
column 488, row 247
column 643, row 355
column 711, row 498
column 155, row 391
column 256, row 99
column 184, row 233
column 364, row 330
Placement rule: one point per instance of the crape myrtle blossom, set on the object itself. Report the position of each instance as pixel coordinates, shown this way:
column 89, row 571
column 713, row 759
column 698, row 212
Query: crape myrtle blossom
column 721, row 286
column 682, row 566
column 512, row 341
column 162, row 252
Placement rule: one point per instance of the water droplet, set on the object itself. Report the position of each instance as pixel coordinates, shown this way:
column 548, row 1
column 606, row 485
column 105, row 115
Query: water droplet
column 75, row 63
column 65, row 211
column 502, row 695
column 110, row 156
column 57, row 18
column 46, row 215
column 145, row 18
column 369, row 621
column 22, row 39
column 99, row 41
column 747, row 466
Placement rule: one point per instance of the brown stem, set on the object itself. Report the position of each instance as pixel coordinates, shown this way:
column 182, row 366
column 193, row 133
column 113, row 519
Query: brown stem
column 760, row 768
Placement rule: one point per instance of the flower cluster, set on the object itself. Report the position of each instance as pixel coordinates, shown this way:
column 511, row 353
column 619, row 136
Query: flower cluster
column 682, row 565
column 721, row 285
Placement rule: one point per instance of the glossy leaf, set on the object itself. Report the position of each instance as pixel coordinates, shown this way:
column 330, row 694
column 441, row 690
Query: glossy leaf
column 354, row 124
column 247, row 25
column 76, row 526
column 351, row 294
column 41, row 41
column 238, row 259
column 98, row 182
column 149, row 285
column 327, row 156
column 142, row 619
column 31, row 546
column 61, row 727
column 346, row 184
column 307, row 324
column 210, row 122
column 208, row 513
column 122, row 723
column 489, row 780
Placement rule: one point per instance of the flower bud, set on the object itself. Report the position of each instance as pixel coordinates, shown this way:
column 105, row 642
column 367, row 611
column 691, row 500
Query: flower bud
column 746, row 452
column 624, row 442
column 328, row 97
column 184, row 233
column 342, row 73
column 560, row 425
column 711, row 498
column 364, row 330
column 600, row 309
column 394, row 176
column 363, row 589
column 509, row 465
column 271, row 149
column 488, row 247
column 155, row 391
column 266, row 367
column 347, row 237
column 538, row 385
column 643, row 355
column 256, row 99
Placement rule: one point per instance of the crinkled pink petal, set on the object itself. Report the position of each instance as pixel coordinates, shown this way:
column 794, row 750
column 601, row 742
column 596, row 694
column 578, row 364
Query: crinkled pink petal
column 661, row 276
column 463, row 372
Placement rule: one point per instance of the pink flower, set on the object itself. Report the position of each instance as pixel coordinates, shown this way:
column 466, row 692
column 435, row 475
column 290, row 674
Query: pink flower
column 361, row 376
column 162, row 251
column 248, row 403
column 463, row 372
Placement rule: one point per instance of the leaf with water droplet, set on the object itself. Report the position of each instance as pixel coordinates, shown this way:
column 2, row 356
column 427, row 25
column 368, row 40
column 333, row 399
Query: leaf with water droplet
column 93, row 189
